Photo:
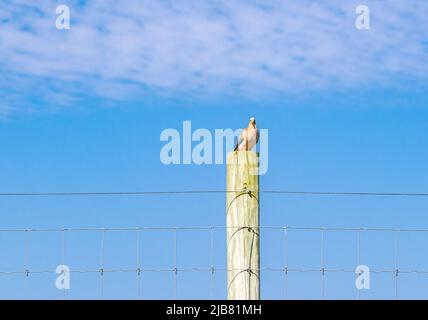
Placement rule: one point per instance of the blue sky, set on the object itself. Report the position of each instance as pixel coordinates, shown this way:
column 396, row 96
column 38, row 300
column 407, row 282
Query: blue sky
column 83, row 109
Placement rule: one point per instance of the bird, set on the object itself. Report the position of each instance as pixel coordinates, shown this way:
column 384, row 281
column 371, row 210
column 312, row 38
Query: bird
column 249, row 137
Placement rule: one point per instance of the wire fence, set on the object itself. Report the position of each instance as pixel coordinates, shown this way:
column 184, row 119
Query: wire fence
column 286, row 271
column 188, row 192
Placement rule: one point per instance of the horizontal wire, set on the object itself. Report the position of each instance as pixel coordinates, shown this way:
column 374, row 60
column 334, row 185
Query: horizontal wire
column 146, row 193
column 191, row 228
column 142, row 270
column 382, row 194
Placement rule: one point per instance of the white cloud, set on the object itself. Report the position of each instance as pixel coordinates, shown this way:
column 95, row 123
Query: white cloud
column 117, row 48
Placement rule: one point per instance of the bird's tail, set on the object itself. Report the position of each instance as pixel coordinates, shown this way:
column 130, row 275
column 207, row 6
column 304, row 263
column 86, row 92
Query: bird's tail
column 237, row 144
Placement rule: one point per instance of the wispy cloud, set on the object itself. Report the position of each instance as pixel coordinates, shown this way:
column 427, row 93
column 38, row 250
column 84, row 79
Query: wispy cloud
column 117, row 49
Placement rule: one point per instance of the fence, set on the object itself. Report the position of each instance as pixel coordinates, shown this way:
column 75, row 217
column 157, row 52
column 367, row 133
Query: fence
column 287, row 256
column 283, row 268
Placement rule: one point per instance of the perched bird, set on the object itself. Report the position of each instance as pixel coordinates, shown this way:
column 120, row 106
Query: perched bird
column 249, row 137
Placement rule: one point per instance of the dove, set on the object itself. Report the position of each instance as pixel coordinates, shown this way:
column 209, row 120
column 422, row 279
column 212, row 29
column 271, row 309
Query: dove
column 249, row 137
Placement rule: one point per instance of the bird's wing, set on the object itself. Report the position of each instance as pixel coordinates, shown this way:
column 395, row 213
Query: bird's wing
column 257, row 135
column 238, row 144
column 241, row 138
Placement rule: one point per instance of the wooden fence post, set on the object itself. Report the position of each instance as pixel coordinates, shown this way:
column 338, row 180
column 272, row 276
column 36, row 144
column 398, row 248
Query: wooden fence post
column 242, row 224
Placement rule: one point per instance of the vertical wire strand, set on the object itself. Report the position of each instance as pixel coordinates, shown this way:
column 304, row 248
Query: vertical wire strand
column 102, row 264
column 139, row 263
column 358, row 258
column 322, row 264
column 63, row 240
column 212, row 263
column 285, row 262
column 175, row 264
column 396, row 263
column 26, row 264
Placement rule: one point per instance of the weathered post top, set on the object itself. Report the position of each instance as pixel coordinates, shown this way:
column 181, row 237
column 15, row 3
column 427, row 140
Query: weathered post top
column 242, row 221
